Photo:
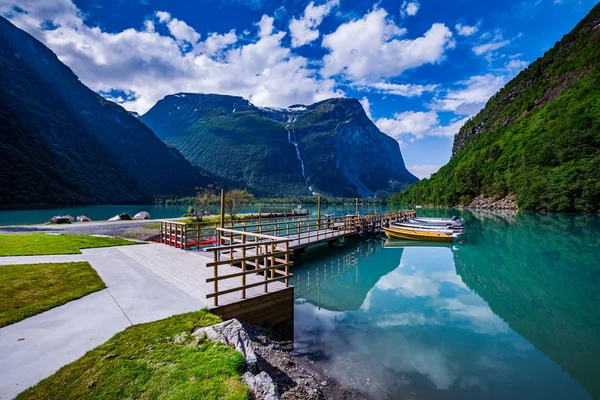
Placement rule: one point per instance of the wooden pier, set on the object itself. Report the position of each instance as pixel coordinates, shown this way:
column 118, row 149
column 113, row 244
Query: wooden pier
column 243, row 267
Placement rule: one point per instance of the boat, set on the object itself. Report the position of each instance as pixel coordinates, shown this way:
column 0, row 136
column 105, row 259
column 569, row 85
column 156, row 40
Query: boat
column 412, row 233
column 440, row 221
column 414, row 224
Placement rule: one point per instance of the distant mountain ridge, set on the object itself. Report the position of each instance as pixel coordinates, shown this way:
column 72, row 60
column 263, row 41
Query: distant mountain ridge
column 538, row 137
column 61, row 143
column 330, row 147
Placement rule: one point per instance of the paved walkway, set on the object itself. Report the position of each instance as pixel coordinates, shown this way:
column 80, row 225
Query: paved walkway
column 37, row 347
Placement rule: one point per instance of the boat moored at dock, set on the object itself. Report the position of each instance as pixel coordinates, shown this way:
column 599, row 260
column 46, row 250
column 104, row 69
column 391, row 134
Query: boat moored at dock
column 414, row 233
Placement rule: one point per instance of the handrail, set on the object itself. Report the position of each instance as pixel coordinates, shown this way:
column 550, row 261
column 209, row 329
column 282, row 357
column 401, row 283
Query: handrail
column 257, row 254
column 195, row 235
column 245, row 245
column 259, row 235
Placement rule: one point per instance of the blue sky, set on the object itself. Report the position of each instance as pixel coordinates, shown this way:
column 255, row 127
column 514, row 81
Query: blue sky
column 420, row 68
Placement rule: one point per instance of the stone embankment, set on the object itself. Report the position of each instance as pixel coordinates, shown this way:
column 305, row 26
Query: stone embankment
column 272, row 372
column 490, row 203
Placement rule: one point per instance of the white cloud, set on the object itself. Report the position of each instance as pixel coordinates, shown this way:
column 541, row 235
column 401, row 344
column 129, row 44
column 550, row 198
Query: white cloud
column 163, row 16
column 409, row 8
column 304, row 30
column 465, row 30
column 370, row 48
column 181, row 31
column 423, row 170
column 406, row 90
column 408, row 122
column 366, row 106
column 149, row 65
column 215, row 43
column 516, row 65
column 418, row 124
column 472, row 94
column 265, row 26
column 496, row 43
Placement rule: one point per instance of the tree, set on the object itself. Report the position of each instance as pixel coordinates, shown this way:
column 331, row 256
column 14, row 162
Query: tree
column 206, row 199
column 235, row 199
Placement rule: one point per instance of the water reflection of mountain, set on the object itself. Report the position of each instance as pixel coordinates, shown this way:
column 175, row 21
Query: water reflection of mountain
column 333, row 280
column 541, row 274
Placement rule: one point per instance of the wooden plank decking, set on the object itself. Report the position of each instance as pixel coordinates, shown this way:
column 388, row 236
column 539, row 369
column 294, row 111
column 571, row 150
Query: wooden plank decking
column 187, row 270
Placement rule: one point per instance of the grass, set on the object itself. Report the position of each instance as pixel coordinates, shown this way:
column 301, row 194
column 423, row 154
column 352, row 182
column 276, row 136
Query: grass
column 30, row 289
column 145, row 362
column 33, row 244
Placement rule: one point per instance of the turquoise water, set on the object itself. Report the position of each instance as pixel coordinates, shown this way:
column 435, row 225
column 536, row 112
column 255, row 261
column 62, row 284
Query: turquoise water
column 157, row 211
column 512, row 312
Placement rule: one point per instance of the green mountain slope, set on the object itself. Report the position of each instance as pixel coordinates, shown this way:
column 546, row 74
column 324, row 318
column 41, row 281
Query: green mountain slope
column 61, row 143
column 538, row 137
column 230, row 138
column 330, row 147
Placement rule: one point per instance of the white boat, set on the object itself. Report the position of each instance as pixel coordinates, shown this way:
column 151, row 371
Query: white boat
column 439, row 221
column 432, row 227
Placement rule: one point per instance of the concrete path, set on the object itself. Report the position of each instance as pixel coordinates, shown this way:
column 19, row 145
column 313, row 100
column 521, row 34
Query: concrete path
column 41, row 259
column 37, row 347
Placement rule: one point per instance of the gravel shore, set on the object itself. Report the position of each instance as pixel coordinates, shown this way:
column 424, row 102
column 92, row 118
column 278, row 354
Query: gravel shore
column 139, row 230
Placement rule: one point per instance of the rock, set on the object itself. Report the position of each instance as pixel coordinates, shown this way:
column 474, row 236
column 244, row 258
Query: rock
column 489, row 203
column 142, row 215
column 62, row 219
column 83, row 218
column 121, row 217
column 233, row 334
column 261, row 386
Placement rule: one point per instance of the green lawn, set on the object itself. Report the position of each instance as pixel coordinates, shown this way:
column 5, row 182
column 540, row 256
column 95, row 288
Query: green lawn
column 30, row 289
column 33, row 244
column 144, row 362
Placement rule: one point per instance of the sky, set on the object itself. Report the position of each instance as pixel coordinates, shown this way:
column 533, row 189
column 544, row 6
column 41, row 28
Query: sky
column 420, row 68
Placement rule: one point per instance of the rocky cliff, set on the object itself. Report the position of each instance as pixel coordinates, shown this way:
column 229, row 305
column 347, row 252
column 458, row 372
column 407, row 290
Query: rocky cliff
column 331, row 148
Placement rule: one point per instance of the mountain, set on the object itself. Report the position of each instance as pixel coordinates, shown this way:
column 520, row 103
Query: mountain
column 538, row 138
column 61, row 143
column 331, row 147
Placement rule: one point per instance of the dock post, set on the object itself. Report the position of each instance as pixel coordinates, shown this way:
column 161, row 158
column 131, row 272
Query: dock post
column 222, row 217
column 318, row 212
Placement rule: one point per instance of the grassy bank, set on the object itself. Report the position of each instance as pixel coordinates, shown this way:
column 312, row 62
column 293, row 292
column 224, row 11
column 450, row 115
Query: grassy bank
column 151, row 361
column 32, row 244
column 30, row 289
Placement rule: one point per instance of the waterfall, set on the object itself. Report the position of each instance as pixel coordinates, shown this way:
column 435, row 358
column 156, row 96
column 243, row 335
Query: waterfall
column 291, row 119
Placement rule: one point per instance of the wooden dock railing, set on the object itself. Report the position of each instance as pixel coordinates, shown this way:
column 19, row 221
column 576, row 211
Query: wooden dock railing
column 195, row 235
column 263, row 259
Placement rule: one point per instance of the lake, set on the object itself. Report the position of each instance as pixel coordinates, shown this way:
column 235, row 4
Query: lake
column 512, row 312
column 157, row 211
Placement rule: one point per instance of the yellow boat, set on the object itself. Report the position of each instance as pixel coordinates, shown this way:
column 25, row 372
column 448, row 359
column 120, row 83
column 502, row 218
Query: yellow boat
column 397, row 232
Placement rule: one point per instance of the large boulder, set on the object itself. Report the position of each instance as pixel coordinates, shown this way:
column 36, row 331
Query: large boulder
column 121, row 217
column 142, row 215
column 261, row 386
column 233, row 334
column 62, row 219
column 83, row 218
